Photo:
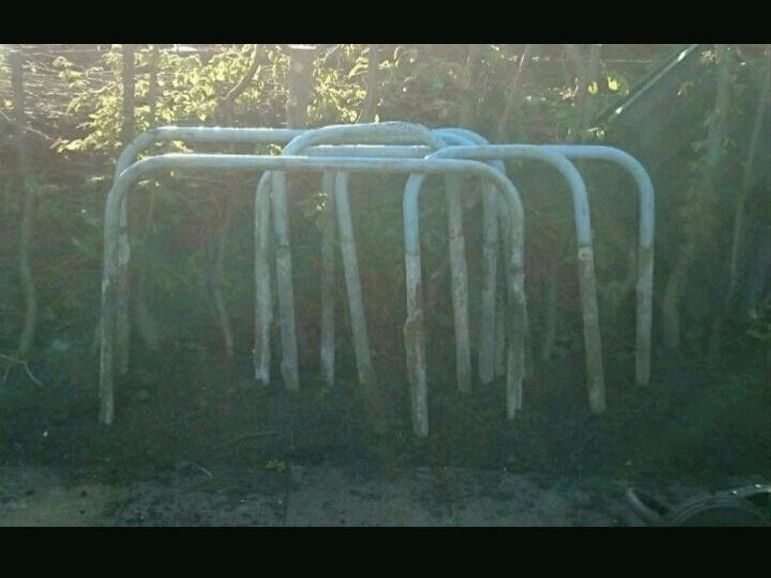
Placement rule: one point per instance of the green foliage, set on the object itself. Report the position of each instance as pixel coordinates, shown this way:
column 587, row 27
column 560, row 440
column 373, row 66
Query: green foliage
column 339, row 87
column 712, row 183
column 190, row 90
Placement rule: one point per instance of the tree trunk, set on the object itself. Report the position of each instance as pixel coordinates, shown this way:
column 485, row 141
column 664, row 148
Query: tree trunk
column 299, row 91
column 225, row 113
column 469, row 99
column 513, row 94
column 27, row 208
column 145, row 322
column 218, row 279
column 586, row 70
column 741, row 200
column 670, row 306
column 552, row 307
column 714, row 152
column 587, row 105
column 123, row 328
column 299, row 84
column 369, row 108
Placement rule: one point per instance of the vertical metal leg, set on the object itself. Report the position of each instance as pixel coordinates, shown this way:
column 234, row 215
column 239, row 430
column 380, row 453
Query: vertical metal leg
column 328, row 287
column 264, row 301
column 352, row 282
column 289, row 366
column 459, row 283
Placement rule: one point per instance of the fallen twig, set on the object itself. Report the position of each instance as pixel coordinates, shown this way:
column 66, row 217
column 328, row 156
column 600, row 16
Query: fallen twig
column 246, row 436
column 203, row 469
column 17, row 361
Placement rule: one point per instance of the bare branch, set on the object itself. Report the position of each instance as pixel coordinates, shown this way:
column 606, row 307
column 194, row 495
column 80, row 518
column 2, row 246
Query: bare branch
column 17, row 361
column 228, row 101
column 513, row 93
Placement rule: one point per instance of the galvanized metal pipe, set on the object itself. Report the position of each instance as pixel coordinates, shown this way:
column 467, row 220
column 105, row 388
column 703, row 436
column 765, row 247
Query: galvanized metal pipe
column 352, row 282
column 645, row 242
column 414, row 334
column 230, row 162
column 340, row 210
column 487, row 323
column 264, row 301
column 452, row 137
column 587, row 282
column 389, row 132
column 492, row 300
column 129, row 154
column 646, row 200
column 328, row 285
column 215, row 135
column 340, row 206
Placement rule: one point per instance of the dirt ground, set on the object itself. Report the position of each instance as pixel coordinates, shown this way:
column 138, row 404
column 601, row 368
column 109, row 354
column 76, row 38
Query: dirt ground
column 319, row 495
column 195, row 445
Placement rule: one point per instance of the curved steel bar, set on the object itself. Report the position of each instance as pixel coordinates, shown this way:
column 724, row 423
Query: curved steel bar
column 340, row 206
column 587, row 282
column 414, row 335
column 457, row 250
column 645, row 242
column 130, row 153
column 216, row 135
column 394, row 132
column 264, row 303
column 452, row 138
column 377, row 151
column 231, row 162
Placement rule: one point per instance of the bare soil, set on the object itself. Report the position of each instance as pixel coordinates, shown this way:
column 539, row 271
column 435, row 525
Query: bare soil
column 194, row 444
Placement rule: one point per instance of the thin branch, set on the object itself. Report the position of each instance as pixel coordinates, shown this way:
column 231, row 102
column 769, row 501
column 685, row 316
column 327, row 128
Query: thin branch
column 228, row 101
column 513, row 93
column 28, row 128
column 469, row 100
column 24, row 364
